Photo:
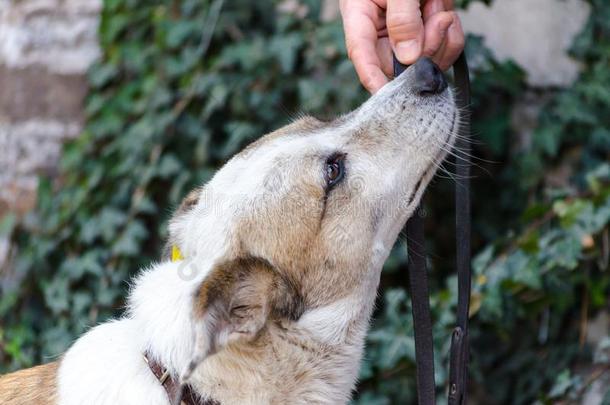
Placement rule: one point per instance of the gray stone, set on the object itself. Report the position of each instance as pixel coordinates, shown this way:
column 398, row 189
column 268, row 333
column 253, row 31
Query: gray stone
column 29, row 148
column 534, row 33
column 46, row 47
column 34, row 92
column 60, row 35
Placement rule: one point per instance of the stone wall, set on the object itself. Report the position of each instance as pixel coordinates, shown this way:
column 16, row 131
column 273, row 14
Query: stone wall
column 534, row 33
column 46, row 47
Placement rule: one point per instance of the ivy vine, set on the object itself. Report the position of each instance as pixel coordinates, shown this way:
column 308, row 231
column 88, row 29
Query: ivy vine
column 184, row 84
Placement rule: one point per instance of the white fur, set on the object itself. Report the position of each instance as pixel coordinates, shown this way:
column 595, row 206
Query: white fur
column 106, row 366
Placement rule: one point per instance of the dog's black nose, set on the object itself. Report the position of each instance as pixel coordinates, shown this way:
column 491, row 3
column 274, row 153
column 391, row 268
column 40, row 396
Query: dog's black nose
column 428, row 78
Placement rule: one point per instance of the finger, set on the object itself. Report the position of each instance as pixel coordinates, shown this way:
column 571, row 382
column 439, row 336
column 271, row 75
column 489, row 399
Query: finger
column 405, row 29
column 432, row 7
column 384, row 52
column 454, row 44
column 360, row 40
column 448, row 5
column 438, row 56
column 368, row 67
column 436, row 32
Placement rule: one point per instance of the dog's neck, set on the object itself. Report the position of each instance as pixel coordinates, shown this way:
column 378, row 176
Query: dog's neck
column 335, row 330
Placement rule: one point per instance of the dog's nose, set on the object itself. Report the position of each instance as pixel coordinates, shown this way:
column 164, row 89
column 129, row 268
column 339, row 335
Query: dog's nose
column 429, row 79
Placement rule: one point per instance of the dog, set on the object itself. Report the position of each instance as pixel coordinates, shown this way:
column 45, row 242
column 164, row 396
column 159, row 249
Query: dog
column 277, row 260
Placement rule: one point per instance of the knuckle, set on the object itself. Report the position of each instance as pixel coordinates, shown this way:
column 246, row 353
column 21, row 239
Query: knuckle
column 403, row 22
column 456, row 38
column 456, row 42
column 452, row 15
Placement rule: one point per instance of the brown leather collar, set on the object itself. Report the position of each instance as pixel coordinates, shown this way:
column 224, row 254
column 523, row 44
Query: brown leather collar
column 177, row 395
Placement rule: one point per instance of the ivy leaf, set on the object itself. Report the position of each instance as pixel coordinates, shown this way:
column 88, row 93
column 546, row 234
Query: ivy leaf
column 180, row 31
column 548, row 138
column 285, row 49
column 129, row 242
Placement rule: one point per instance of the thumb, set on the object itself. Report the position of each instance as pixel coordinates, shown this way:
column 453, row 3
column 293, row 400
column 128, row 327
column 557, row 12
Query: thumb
column 405, row 29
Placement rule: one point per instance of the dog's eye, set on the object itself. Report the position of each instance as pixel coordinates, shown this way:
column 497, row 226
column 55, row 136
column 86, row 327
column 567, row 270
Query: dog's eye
column 334, row 170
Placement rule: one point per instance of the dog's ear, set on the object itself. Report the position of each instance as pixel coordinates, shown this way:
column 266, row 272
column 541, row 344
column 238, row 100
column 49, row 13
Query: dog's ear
column 235, row 301
column 189, row 201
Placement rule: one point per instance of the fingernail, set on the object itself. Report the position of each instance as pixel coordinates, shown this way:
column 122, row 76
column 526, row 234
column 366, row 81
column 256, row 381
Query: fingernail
column 408, row 51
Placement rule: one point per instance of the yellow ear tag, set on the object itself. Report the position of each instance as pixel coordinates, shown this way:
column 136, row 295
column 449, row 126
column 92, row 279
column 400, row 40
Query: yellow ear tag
column 176, row 254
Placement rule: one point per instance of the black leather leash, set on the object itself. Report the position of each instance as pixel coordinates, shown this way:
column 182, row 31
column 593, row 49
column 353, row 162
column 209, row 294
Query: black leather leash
column 418, row 277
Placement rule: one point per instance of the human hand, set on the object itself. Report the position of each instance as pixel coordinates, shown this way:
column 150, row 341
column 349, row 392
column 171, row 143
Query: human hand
column 410, row 28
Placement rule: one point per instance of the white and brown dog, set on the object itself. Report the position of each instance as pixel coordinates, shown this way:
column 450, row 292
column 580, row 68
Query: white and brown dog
column 282, row 254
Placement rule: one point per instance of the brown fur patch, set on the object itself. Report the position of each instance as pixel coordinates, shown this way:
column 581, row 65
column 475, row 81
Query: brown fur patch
column 189, row 201
column 241, row 295
column 36, row 385
column 249, row 283
column 296, row 239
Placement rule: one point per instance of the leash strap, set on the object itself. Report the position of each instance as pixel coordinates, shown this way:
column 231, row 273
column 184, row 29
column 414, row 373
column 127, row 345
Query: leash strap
column 458, row 366
column 420, row 301
column 420, row 304
column 418, row 277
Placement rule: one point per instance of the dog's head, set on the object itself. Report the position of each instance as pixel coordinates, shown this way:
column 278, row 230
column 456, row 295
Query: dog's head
column 306, row 215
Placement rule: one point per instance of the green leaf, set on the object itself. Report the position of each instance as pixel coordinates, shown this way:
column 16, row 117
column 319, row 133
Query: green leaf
column 180, row 31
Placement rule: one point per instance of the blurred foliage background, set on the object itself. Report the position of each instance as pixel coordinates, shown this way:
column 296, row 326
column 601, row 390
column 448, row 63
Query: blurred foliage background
column 184, row 84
